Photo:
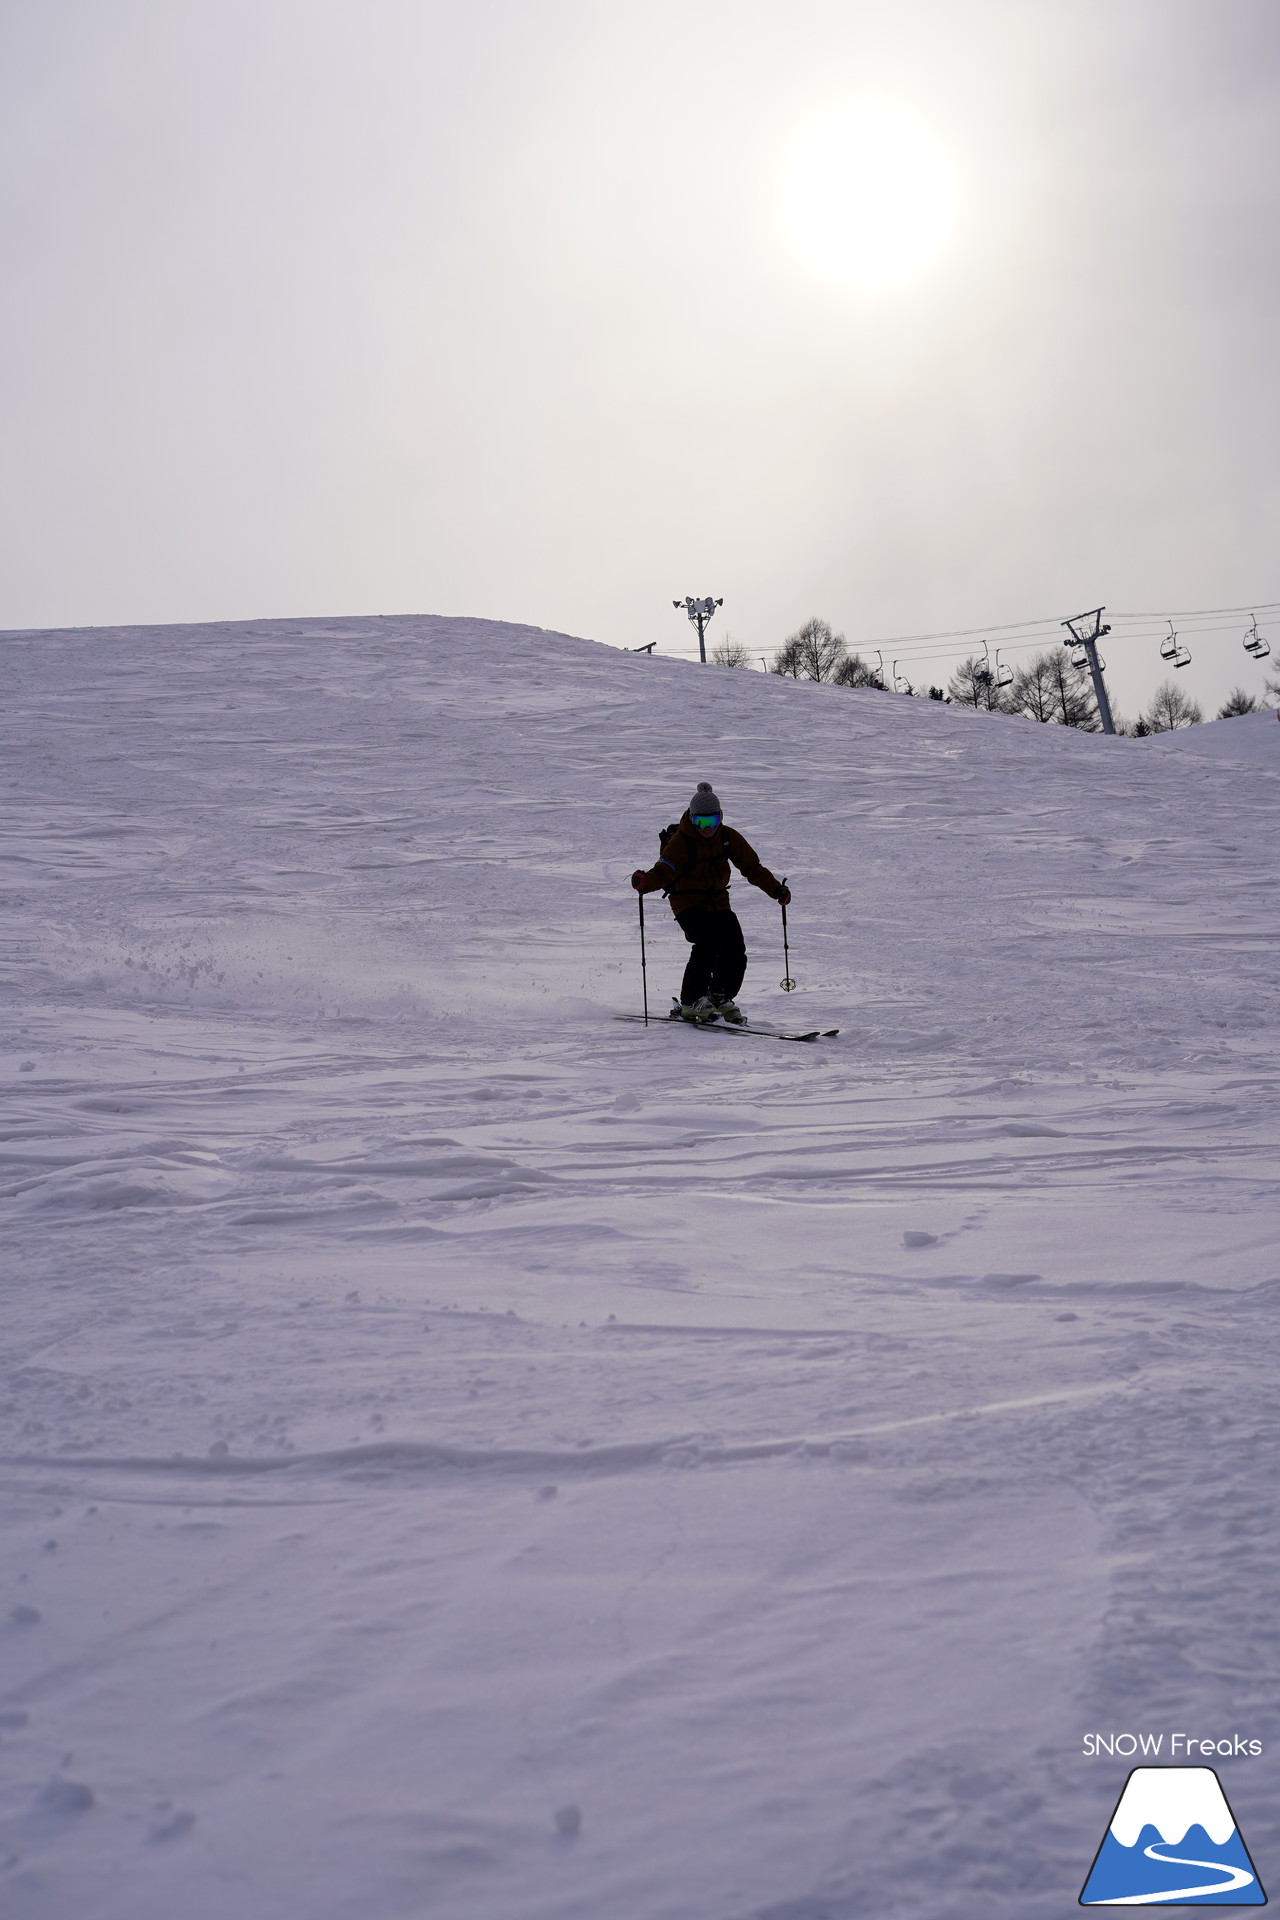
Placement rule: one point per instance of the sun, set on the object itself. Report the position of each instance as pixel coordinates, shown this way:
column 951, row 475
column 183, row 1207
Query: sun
column 870, row 198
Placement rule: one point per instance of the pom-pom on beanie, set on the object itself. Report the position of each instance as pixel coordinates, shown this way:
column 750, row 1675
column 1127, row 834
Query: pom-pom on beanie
column 704, row 801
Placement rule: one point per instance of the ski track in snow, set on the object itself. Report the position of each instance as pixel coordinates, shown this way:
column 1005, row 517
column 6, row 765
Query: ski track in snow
column 427, row 1403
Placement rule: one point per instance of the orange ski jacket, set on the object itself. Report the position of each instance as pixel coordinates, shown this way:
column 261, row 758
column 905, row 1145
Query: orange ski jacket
column 695, row 872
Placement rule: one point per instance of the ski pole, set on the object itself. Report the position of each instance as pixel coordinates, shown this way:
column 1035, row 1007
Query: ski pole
column 787, row 984
column 644, row 972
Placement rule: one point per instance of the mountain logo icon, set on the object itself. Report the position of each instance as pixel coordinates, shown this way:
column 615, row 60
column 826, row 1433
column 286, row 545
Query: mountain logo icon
column 1172, row 1842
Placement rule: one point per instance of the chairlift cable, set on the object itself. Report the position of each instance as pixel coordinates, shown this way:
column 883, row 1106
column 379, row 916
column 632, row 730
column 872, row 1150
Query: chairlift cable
column 1041, row 633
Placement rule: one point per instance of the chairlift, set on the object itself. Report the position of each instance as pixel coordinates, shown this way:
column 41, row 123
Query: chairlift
column 983, row 676
column 1169, row 645
column 1004, row 675
column 1080, row 658
column 1256, row 643
column 1182, row 658
column 901, row 684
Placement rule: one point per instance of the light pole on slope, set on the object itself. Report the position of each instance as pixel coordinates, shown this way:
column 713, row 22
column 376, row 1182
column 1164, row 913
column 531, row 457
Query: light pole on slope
column 700, row 612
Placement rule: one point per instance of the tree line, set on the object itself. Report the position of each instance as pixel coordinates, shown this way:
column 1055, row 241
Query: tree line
column 1049, row 688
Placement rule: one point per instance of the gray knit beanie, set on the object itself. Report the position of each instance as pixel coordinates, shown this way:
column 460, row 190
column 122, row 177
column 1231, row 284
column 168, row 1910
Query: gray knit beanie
column 704, row 801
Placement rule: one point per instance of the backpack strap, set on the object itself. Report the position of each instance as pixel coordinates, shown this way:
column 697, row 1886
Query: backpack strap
column 665, row 836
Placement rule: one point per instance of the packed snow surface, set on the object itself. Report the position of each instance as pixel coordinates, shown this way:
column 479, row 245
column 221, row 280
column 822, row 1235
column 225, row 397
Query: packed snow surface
column 468, row 1455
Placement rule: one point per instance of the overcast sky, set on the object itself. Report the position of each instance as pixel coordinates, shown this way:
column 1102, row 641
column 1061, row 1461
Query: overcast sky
column 468, row 306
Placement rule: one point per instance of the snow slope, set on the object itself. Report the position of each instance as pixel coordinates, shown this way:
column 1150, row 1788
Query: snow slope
column 466, row 1455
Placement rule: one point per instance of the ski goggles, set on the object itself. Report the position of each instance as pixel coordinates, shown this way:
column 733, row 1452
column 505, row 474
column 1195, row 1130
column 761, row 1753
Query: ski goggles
column 704, row 820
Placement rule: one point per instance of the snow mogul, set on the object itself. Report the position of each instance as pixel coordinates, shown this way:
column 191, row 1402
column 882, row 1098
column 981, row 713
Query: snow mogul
column 693, row 870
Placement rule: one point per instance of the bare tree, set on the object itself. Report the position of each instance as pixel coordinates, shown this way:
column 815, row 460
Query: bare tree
column 1050, row 688
column 974, row 685
column 1172, row 708
column 854, row 671
column 812, row 653
column 730, row 653
column 1074, row 688
column 1237, row 701
column 1035, row 689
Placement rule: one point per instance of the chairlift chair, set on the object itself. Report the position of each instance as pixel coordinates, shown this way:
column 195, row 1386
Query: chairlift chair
column 901, row 684
column 1080, row 657
column 1182, row 658
column 1004, row 674
column 1256, row 643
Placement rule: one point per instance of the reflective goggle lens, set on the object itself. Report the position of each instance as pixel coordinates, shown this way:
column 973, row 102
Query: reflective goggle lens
column 706, row 819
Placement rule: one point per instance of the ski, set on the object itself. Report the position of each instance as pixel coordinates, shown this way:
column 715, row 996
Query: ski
column 720, row 1026
column 776, row 1033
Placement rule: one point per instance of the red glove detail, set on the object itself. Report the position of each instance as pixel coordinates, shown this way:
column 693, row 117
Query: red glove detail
column 640, row 880
column 784, row 898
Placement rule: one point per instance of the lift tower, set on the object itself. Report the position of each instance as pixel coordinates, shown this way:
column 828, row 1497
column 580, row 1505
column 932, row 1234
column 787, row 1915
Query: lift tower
column 1086, row 629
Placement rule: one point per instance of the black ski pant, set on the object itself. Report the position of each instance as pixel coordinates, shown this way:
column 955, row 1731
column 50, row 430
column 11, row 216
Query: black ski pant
column 719, row 957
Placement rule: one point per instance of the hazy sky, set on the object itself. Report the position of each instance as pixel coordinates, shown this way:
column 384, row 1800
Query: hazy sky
column 522, row 310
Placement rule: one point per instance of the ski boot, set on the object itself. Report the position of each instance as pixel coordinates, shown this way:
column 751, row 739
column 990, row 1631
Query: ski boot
column 702, row 1011
column 730, row 1010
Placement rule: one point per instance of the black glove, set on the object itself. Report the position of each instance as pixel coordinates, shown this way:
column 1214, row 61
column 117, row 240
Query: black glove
column 640, row 880
column 784, row 898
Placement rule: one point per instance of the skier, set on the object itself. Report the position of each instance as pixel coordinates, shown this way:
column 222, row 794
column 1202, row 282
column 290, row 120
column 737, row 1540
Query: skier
column 694, row 870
